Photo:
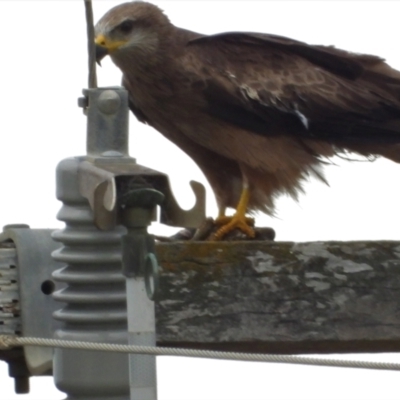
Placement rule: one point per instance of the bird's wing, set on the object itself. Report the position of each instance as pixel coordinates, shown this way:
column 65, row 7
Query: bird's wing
column 264, row 82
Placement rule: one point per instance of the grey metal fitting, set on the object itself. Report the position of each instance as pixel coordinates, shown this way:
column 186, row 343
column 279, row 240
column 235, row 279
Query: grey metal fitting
column 83, row 103
column 137, row 207
column 26, row 304
column 109, row 102
column 108, row 164
column 108, row 120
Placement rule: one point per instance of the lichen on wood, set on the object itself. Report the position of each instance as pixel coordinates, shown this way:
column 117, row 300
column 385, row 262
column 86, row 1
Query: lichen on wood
column 280, row 297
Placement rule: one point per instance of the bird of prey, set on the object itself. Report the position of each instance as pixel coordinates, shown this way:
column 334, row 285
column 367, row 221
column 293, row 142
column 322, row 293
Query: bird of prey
column 258, row 113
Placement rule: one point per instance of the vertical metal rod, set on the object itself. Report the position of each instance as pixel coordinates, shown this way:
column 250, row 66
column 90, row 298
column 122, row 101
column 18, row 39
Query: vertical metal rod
column 141, row 332
column 136, row 246
column 91, row 46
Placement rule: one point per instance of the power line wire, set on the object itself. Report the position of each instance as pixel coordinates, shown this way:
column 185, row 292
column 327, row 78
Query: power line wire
column 8, row 341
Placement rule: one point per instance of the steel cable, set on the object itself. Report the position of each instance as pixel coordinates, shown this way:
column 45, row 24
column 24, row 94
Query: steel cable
column 7, row 341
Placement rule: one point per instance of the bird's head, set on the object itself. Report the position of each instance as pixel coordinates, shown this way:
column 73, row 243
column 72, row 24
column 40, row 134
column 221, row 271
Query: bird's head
column 133, row 29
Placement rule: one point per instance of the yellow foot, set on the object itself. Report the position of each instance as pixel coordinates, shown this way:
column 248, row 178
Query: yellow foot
column 231, row 223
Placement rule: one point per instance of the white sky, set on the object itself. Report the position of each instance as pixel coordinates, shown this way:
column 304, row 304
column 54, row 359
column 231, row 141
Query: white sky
column 43, row 69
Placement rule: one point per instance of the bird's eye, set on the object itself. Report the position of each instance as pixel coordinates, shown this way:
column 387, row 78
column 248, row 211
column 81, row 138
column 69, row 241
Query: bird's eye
column 126, row 26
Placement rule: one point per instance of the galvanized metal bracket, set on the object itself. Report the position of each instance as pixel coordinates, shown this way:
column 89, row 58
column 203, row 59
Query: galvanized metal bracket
column 108, row 171
column 103, row 185
column 30, row 301
column 35, row 266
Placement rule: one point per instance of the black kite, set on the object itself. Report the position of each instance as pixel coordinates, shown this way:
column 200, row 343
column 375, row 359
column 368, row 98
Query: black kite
column 258, row 113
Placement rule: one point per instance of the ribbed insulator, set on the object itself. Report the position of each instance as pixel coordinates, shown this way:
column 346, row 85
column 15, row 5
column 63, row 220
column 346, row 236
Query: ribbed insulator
column 95, row 292
column 10, row 320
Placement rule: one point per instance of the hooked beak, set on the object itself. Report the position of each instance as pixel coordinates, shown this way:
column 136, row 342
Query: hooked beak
column 105, row 46
column 101, row 52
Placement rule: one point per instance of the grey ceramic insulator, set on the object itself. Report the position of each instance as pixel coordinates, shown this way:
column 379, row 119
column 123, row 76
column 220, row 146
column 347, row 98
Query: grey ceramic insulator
column 93, row 305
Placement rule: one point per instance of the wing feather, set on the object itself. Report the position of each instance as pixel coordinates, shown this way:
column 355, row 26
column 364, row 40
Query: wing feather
column 268, row 85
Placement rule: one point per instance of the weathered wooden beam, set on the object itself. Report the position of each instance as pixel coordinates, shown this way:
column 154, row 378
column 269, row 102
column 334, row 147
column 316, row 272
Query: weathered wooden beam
column 280, row 297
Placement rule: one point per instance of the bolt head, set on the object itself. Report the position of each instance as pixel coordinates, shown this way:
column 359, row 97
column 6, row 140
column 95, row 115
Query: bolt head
column 83, row 102
column 109, row 102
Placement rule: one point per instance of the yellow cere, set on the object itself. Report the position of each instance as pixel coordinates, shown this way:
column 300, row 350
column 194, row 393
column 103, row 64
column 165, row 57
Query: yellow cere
column 110, row 45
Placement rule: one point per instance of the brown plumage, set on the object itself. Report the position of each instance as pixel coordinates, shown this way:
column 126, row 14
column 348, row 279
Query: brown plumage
column 255, row 111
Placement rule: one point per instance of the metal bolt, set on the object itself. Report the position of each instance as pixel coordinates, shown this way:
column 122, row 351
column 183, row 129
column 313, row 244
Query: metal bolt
column 109, row 102
column 21, row 384
column 83, row 102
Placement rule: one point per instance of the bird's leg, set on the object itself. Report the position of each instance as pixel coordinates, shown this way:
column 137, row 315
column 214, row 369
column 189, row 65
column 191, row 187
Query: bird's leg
column 239, row 219
column 221, row 212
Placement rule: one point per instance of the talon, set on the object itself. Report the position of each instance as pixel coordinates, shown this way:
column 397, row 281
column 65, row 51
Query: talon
column 238, row 221
column 225, row 220
column 229, row 224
